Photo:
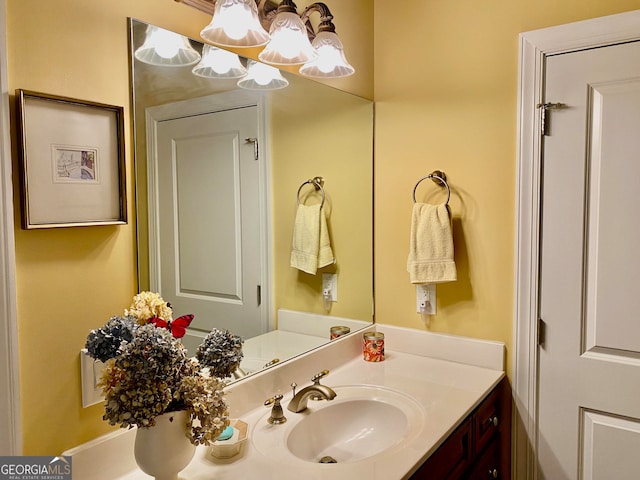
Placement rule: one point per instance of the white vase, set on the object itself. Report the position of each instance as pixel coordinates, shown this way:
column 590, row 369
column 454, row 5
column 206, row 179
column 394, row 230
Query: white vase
column 164, row 449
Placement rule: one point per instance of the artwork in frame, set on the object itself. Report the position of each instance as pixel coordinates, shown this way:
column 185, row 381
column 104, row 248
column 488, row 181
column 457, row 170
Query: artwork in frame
column 72, row 167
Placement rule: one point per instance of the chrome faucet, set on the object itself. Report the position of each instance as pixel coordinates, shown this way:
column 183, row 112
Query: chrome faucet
column 299, row 401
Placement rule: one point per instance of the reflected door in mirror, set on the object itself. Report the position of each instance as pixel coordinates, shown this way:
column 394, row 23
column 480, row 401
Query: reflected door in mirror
column 209, row 225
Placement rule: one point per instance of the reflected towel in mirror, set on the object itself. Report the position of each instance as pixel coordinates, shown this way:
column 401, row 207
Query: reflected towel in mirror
column 311, row 246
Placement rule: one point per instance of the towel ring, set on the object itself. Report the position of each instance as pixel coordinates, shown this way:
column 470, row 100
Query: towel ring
column 317, row 183
column 438, row 177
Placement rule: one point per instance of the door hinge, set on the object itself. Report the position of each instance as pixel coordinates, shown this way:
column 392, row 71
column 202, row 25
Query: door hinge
column 259, row 295
column 543, row 107
column 542, row 333
column 255, row 146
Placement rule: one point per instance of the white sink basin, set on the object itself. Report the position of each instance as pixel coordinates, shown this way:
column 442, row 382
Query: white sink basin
column 360, row 422
column 348, row 431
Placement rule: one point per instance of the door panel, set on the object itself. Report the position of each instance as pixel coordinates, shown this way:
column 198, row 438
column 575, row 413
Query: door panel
column 610, row 446
column 589, row 373
column 209, row 226
column 207, row 173
column 612, row 252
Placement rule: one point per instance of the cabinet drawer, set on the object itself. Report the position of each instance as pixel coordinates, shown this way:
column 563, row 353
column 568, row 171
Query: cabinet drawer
column 451, row 459
column 487, row 465
column 487, row 420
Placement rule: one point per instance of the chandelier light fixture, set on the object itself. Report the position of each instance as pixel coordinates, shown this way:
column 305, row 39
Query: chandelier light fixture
column 291, row 40
column 331, row 61
column 235, row 23
column 218, row 63
column 164, row 48
column 262, row 77
column 289, row 43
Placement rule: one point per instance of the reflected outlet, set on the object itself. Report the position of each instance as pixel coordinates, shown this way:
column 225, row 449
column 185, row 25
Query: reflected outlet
column 330, row 283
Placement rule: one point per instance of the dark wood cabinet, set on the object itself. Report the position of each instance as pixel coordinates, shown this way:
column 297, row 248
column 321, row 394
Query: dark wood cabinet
column 480, row 448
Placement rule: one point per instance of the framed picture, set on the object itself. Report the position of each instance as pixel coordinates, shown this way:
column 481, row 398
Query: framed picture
column 71, row 154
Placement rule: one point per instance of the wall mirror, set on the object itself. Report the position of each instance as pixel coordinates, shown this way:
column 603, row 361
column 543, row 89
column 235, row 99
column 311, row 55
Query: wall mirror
column 220, row 174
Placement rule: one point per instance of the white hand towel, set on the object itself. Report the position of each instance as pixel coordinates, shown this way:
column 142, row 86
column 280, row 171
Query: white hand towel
column 431, row 245
column 311, row 247
column 325, row 254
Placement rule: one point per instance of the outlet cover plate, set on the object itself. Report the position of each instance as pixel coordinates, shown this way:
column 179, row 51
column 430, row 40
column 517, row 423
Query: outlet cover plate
column 90, row 373
column 426, row 293
column 330, row 280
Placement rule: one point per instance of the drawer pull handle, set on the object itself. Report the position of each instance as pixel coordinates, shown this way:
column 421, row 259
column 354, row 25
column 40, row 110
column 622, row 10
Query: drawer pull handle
column 493, row 421
column 493, row 473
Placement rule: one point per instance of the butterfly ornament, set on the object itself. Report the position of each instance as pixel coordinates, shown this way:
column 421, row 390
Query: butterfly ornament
column 177, row 327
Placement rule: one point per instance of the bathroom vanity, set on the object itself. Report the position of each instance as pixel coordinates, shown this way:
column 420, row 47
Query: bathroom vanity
column 480, row 448
column 439, row 407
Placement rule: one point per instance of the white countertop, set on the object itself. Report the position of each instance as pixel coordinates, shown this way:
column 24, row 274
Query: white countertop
column 447, row 391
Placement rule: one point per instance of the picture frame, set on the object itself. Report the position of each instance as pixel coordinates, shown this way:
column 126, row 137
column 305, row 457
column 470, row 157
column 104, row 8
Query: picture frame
column 71, row 161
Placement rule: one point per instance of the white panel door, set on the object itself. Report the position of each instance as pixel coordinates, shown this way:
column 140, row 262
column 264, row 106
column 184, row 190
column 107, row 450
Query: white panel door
column 209, row 221
column 589, row 358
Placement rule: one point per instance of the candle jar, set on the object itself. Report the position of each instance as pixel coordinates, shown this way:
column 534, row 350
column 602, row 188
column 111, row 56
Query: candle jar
column 373, row 346
column 338, row 331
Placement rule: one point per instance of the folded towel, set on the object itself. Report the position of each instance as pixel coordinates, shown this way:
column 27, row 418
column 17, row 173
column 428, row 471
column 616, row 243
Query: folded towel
column 325, row 254
column 431, row 245
column 311, row 247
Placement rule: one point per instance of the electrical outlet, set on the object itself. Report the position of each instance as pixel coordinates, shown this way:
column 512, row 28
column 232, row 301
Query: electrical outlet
column 90, row 373
column 426, row 295
column 330, row 281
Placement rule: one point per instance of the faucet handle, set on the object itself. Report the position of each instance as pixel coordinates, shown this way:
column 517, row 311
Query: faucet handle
column 316, row 381
column 271, row 362
column 275, row 400
column 277, row 414
column 316, row 378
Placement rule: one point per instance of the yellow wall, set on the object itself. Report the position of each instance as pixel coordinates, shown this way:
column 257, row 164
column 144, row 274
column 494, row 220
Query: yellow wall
column 322, row 131
column 445, row 92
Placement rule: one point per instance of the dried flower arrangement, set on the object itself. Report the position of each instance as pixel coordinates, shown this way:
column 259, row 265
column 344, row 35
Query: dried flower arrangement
column 221, row 351
column 148, row 373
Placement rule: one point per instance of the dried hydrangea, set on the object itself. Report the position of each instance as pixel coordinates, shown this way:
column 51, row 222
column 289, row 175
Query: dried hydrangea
column 103, row 343
column 140, row 383
column 147, row 305
column 208, row 409
column 221, row 351
column 148, row 373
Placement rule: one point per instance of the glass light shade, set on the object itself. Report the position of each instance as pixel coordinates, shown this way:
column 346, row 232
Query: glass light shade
column 218, row 63
column 331, row 61
column 262, row 77
column 289, row 44
column 164, row 48
column 235, row 23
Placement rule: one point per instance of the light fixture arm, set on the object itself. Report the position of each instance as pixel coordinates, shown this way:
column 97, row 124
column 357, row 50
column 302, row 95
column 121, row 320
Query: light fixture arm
column 267, row 10
column 326, row 19
column 287, row 6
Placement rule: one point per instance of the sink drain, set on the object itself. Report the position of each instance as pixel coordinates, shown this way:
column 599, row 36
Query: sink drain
column 328, row 459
